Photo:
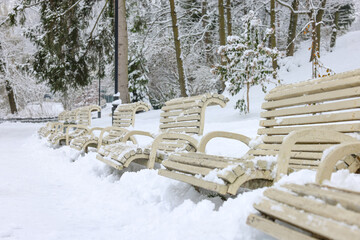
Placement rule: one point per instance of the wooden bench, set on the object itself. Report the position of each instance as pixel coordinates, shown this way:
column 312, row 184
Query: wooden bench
column 299, row 122
column 80, row 119
column 308, row 212
column 50, row 127
column 181, row 118
column 124, row 116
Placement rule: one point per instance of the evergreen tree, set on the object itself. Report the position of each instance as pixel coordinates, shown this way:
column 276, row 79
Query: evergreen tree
column 137, row 79
column 248, row 62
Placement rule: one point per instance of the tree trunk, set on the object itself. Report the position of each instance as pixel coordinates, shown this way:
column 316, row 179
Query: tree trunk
column 248, row 97
column 292, row 29
column 319, row 17
column 316, row 28
column 11, row 97
column 207, row 39
column 228, row 17
column 123, row 85
column 273, row 35
column 335, row 28
column 222, row 33
column 179, row 61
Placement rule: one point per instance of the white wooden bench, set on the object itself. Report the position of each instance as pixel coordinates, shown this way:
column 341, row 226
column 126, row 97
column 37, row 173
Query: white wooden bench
column 299, row 122
column 308, row 212
column 181, row 119
column 50, row 127
column 124, row 116
column 80, row 119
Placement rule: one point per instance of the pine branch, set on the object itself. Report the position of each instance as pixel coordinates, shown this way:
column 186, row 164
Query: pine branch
column 98, row 18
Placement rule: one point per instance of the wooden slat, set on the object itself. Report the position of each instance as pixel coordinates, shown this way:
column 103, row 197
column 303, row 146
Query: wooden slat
column 222, row 189
column 315, row 98
column 182, row 129
column 307, row 155
column 308, row 221
column 181, row 119
column 314, row 206
column 307, row 162
column 198, row 162
column 180, row 124
column 186, row 168
column 184, row 100
column 321, row 108
column 344, row 128
column 198, row 155
column 122, row 121
column 297, row 147
column 301, row 167
column 317, row 119
column 178, row 112
column 279, row 139
column 312, row 82
column 182, row 106
column 308, row 89
column 348, row 201
column 275, row 230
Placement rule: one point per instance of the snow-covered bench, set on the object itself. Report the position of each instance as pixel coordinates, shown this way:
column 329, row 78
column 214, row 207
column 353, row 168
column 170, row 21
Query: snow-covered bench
column 308, row 212
column 181, row 119
column 299, row 123
column 51, row 126
column 80, row 119
column 124, row 116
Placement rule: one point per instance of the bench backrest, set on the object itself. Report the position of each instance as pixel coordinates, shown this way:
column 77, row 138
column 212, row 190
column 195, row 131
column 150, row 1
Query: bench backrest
column 326, row 103
column 63, row 116
column 186, row 115
column 83, row 114
column 124, row 114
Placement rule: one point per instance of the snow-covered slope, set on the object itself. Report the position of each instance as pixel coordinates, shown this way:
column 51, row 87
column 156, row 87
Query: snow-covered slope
column 46, row 195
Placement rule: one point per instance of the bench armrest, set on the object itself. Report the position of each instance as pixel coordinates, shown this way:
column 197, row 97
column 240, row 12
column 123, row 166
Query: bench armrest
column 229, row 135
column 336, row 153
column 95, row 129
column 108, row 129
column 130, row 134
column 160, row 138
column 304, row 135
column 71, row 126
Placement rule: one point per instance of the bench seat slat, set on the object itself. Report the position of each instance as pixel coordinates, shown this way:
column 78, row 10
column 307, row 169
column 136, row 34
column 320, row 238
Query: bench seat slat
column 347, row 200
column 313, row 206
column 307, row 221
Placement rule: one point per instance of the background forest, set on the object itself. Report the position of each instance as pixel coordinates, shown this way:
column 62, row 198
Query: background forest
column 52, row 51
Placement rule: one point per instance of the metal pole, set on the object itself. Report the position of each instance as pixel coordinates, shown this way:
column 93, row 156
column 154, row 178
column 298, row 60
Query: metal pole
column 116, row 43
column 99, row 113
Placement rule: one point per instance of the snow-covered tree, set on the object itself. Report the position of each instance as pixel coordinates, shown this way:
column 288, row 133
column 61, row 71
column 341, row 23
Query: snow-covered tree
column 18, row 86
column 248, row 60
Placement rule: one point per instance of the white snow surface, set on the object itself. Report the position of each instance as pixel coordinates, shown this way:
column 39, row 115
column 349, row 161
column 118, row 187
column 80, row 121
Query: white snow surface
column 44, row 194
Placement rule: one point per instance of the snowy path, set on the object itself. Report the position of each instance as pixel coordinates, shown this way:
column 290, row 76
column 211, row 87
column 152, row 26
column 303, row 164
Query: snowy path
column 43, row 195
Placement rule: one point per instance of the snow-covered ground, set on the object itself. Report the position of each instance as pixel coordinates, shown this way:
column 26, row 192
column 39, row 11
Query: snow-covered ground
column 46, row 195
